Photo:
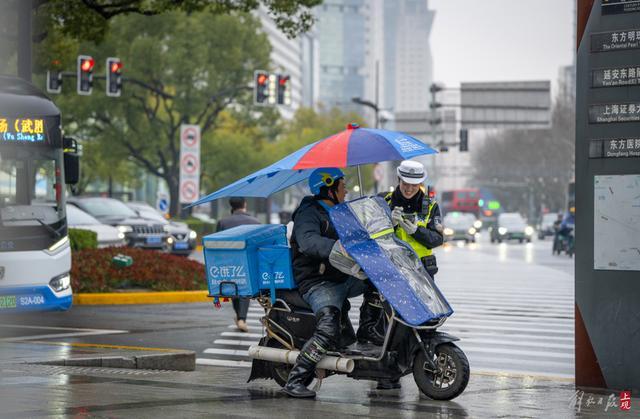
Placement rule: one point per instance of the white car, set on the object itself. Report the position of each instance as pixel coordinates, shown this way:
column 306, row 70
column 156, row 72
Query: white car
column 107, row 235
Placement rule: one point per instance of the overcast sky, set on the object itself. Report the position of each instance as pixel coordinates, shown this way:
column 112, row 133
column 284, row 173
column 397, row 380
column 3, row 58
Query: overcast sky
column 501, row 40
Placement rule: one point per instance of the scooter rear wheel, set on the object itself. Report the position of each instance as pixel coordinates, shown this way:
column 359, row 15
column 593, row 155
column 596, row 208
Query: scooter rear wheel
column 280, row 371
column 451, row 378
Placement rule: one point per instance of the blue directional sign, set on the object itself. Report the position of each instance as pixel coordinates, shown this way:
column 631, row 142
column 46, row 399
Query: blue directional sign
column 163, row 205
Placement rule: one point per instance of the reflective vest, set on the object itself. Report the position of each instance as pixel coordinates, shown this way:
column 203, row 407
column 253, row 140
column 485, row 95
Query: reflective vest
column 422, row 221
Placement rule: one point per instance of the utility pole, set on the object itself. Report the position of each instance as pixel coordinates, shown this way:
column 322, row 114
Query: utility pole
column 24, row 39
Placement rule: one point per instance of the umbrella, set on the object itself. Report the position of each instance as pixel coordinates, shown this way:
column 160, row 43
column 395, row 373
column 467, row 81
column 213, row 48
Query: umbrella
column 351, row 147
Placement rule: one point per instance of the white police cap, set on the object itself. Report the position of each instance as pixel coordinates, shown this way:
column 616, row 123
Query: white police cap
column 412, row 172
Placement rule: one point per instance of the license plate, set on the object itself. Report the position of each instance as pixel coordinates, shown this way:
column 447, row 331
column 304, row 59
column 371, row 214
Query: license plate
column 15, row 301
column 181, row 246
column 154, row 240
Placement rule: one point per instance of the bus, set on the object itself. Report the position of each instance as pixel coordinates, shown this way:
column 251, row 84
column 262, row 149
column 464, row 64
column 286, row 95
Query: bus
column 461, row 200
column 35, row 161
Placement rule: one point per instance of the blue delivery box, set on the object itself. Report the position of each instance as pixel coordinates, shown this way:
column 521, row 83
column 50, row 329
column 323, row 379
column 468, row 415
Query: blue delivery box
column 275, row 267
column 232, row 258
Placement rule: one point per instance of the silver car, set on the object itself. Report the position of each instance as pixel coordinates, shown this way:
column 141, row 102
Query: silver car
column 183, row 239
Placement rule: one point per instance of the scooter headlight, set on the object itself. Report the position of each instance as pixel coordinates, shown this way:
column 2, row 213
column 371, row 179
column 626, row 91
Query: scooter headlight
column 502, row 230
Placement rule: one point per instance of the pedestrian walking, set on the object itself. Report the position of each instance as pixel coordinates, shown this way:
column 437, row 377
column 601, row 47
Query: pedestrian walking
column 239, row 216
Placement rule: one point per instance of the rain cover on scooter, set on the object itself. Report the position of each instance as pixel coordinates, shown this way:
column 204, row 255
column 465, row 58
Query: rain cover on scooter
column 366, row 232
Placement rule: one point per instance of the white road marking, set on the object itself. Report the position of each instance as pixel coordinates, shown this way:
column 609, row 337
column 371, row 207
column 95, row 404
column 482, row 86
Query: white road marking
column 223, row 362
column 70, row 332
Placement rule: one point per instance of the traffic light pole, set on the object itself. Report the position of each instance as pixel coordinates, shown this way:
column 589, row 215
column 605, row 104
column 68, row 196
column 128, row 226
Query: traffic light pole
column 24, row 39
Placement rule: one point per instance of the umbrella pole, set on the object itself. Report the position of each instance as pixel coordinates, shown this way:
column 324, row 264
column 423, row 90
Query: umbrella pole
column 360, row 181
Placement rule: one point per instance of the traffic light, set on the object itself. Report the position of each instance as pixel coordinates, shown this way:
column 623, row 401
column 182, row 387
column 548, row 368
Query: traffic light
column 54, row 81
column 114, row 77
column 464, row 140
column 284, row 89
column 85, row 74
column 261, row 87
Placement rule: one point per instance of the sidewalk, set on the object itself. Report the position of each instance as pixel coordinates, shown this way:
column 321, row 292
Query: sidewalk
column 29, row 390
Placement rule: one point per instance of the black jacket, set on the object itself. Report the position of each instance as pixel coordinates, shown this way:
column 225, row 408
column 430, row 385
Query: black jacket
column 429, row 236
column 312, row 239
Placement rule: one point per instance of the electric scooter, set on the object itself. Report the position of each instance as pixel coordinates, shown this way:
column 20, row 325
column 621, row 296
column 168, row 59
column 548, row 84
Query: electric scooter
column 439, row 367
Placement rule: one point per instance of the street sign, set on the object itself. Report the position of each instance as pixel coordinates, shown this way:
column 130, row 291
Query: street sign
column 620, row 40
column 163, row 204
column 616, row 76
column 516, row 104
column 611, row 7
column 189, row 163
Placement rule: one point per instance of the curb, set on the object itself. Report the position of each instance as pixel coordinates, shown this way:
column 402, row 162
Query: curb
column 151, row 359
column 177, row 361
column 169, row 297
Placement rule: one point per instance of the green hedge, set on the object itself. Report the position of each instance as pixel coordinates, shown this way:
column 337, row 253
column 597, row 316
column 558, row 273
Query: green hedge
column 200, row 227
column 83, row 239
column 93, row 270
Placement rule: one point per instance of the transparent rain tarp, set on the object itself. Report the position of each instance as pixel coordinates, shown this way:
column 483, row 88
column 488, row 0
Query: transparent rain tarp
column 366, row 232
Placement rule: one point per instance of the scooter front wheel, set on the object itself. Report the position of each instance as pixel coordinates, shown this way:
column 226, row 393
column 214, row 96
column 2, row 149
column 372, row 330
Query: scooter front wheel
column 451, row 377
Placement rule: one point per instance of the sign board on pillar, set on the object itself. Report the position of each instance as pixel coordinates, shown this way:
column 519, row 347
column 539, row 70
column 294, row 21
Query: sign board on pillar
column 607, row 193
column 189, row 163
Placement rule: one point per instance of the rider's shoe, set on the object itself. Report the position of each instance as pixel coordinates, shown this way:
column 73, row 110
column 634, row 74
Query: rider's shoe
column 324, row 339
column 295, row 385
column 388, row 384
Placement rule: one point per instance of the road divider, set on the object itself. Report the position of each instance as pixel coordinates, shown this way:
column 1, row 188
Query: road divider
column 165, row 297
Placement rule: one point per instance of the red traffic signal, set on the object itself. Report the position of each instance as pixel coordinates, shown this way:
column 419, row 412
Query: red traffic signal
column 114, row 77
column 284, row 89
column 85, row 74
column 115, row 67
column 261, row 87
column 86, row 64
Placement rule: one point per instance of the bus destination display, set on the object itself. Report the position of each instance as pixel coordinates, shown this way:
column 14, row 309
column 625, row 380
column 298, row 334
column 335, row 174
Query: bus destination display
column 22, row 130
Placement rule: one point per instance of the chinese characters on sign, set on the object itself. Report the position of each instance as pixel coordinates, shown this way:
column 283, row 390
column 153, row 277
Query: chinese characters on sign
column 614, row 77
column 614, row 112
column 22, row 129
column 615, row 41
column 623, row 147
column 611, row 7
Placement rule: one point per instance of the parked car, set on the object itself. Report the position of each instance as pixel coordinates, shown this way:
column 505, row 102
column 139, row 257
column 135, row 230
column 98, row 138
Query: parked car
column 184, row 239
column 545, row 228
column 511, row 226
column 107, row 235
column 460, row 226
column 138, row 231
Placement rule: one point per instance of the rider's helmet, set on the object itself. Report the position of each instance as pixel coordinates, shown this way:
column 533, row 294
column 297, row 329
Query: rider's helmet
column 324, row 177
column 412, row 172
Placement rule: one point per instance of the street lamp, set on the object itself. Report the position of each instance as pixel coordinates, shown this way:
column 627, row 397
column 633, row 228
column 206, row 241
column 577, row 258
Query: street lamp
column 368, row 104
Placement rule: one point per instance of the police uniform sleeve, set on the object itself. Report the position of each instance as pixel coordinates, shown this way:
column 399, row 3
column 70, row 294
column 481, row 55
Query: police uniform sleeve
column 428, row 236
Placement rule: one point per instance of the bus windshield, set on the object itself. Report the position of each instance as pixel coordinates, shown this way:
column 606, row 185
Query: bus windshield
column 31, row 195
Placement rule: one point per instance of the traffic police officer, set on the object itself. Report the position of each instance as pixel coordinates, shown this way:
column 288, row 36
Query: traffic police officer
column 415, row 214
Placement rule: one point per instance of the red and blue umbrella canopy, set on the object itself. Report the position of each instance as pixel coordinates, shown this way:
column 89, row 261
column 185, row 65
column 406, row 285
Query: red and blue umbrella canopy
column 351, row 147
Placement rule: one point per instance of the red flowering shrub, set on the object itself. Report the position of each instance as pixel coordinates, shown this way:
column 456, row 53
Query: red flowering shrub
column 93, row 271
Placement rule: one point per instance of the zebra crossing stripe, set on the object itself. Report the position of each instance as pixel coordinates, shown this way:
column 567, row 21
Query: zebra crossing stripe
column 223, row 362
